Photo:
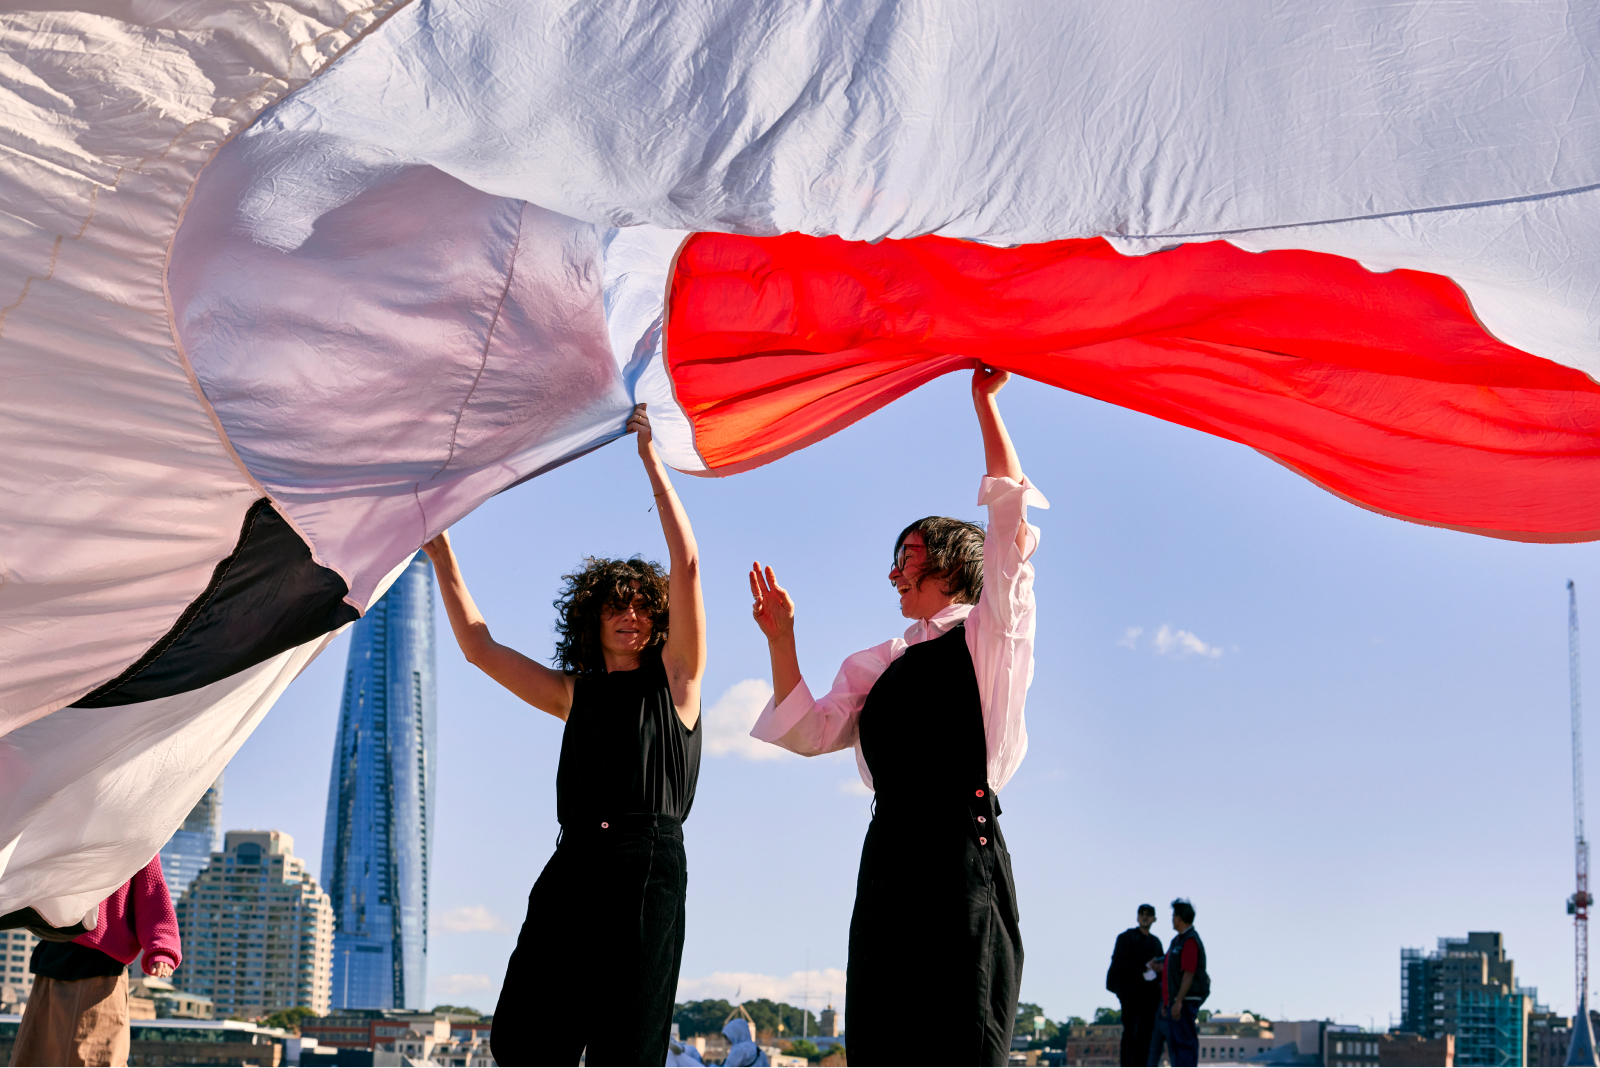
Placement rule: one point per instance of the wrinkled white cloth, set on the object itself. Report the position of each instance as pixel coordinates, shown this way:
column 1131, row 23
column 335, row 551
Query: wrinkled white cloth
column 1000, row 630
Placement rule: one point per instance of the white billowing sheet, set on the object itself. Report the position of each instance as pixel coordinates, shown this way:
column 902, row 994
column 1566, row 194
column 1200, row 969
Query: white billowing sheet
column 118, row 496
column 87, row 797
column 1454, row 138
column 434, row 264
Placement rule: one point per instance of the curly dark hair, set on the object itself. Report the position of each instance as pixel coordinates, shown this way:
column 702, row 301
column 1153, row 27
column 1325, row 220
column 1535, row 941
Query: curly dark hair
column 599, row 585
column 954, row 554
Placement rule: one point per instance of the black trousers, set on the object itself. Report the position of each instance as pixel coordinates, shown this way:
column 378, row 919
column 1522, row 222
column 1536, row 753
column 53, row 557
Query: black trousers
column 1138, row 1024
column 935, row 940
column 596, row 964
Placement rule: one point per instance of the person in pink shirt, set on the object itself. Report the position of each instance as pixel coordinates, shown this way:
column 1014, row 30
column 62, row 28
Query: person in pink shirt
column 78, row 1011
column 936, row 721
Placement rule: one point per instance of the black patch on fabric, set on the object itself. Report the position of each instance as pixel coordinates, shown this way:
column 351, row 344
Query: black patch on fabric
column 30, row 918
column 268, row 596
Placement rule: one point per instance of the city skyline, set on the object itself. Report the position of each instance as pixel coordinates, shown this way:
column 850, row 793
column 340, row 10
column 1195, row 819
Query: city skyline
column 376, row 836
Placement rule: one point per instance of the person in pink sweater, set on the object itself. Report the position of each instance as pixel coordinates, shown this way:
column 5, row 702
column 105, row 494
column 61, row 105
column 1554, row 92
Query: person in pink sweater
column 78, row 1011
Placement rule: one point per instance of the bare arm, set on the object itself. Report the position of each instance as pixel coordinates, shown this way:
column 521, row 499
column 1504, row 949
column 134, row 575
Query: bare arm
column 541, row 687
column 774, row 612
column 684, row 656
column 1183, row 992
column 999, row 455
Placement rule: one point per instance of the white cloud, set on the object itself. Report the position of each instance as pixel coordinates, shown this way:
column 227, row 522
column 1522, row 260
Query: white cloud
column 462, row 983
column 815, row 986
column 1130, row 637
column 469, row 919
column 1183, row 643
column 728, row 723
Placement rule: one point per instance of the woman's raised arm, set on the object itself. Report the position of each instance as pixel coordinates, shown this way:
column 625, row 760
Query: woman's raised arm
column 684, row 656
column 999, row 455
column 544, row 689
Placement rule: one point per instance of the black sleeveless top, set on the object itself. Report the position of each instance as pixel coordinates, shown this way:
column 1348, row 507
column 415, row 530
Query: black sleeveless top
column 624, row 749
column 922, row 726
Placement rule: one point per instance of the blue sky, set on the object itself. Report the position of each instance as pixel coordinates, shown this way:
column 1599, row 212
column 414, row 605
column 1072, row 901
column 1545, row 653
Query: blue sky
column 1337, row 733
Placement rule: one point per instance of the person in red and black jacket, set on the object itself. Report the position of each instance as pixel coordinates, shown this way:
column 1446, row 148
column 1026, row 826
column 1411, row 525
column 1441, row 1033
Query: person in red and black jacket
column 1184, row 985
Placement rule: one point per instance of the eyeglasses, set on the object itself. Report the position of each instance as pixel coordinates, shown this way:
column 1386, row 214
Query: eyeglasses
column 902, row 555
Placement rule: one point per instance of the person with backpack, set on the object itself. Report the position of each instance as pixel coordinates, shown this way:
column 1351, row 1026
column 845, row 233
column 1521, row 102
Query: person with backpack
column 1137, row 987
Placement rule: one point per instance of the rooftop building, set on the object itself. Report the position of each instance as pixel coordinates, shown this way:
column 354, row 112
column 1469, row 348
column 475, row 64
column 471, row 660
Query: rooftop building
column 257, row 930
column 1467, row 988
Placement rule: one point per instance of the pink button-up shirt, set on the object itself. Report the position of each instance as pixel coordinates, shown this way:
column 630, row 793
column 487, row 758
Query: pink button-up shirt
column 999, row 636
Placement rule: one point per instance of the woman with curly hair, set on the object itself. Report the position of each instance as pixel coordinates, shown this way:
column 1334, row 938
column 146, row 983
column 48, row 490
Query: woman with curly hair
column 596, row 964
column 935, row 718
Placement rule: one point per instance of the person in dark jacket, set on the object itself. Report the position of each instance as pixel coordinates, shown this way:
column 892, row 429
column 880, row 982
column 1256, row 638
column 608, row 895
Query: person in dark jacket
column 1136, row 984
column 1184, row 986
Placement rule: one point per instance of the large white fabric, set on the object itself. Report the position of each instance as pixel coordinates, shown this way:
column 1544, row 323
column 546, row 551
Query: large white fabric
column 118, row 496
column 1453, row 138
column 87, row 794
column 436, row 264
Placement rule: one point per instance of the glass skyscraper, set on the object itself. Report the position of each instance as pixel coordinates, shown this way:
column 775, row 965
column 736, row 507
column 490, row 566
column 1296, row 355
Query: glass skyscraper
column 375, row 848
column 189, row 849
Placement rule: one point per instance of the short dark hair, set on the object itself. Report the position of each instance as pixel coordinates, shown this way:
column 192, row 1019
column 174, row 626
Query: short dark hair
column 1182, row 909
column 954, row 555
column 1151, row 909
column 603, row 584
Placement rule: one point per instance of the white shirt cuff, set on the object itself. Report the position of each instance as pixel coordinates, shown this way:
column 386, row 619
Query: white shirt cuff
column 777, row 720
column 1001, row 490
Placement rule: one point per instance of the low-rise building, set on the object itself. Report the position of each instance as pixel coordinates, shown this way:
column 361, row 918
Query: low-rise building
column 1092, row 1044
column 188, row 1042
column 1405, row 1050
column 166, row 1001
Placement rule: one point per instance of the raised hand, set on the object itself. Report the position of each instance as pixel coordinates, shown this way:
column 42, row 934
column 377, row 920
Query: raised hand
column 987, row 381
column 639, row 423
column 773, row 608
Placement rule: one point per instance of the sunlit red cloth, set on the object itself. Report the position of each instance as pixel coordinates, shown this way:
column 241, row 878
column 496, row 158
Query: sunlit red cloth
column 1384, row 388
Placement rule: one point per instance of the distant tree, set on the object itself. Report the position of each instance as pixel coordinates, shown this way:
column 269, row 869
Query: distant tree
column 1107, row 1016
column 802, row 1048
column 458, row 1010
column 769, row 1014
column 1075, row 1021
column 1205, row 1014
column 1026, row 1011
column 701, row 1017
column 288, row 1019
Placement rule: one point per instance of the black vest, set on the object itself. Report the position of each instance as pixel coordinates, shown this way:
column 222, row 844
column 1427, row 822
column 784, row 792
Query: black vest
column 922, row 730
column 1200, row 989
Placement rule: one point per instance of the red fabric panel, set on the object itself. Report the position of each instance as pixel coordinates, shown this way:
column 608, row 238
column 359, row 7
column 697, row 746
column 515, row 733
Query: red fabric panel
column 1380, row 387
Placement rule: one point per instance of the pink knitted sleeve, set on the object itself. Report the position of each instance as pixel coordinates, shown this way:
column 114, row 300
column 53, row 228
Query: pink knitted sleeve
column 155, row 924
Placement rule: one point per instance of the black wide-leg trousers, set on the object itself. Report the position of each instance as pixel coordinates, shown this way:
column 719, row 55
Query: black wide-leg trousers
column 935, row 939
column 596, row 964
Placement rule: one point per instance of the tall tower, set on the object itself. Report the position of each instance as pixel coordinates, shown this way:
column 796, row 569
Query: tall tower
column 375, row 848
column 190, row 847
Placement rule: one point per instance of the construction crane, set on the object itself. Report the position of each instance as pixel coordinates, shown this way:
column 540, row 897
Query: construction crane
column 1581, row 1049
